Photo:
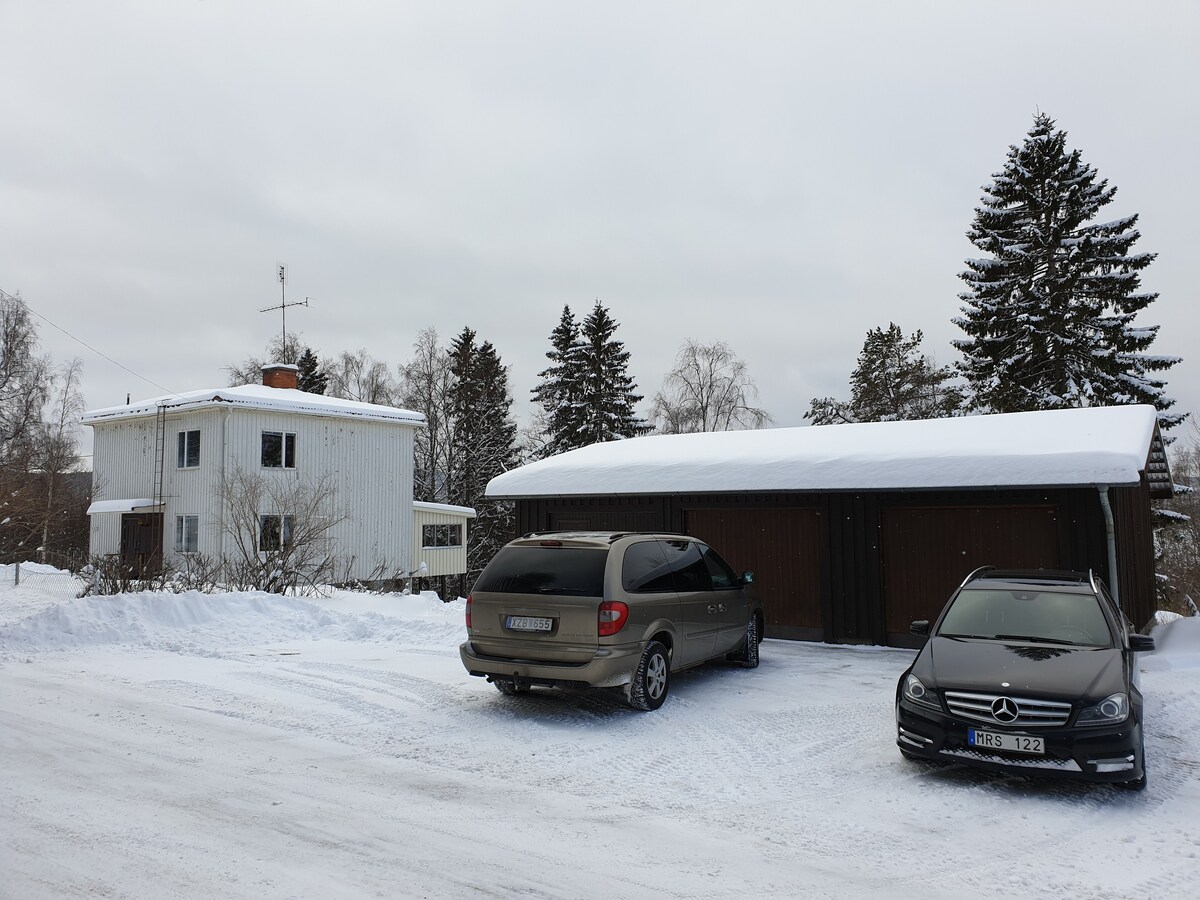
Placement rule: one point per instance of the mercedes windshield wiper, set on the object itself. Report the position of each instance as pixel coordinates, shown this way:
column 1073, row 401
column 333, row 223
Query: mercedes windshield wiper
column 1033, row 638
column 977, row 637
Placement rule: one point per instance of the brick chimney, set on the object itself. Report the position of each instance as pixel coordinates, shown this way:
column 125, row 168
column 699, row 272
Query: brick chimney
column 279, row 375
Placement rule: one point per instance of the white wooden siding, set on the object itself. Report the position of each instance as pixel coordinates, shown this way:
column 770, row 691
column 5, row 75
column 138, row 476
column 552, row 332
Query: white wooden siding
column 195, row 491
column 440, row 560
column 122, row 468
column 370, row 463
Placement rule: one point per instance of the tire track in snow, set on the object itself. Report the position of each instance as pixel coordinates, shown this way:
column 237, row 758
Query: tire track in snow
column 843, row 742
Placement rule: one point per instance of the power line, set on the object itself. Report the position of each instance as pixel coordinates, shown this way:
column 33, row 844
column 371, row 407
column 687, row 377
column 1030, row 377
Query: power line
column 25, row 303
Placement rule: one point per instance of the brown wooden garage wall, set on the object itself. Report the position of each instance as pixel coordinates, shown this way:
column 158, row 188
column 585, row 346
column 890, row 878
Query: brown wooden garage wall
column 600, row 513
column 778, row 537
column 927, row 551
column 878, row 561
column 953, row 533
column 783, row 547
column 854, row 601
column 1133, row 519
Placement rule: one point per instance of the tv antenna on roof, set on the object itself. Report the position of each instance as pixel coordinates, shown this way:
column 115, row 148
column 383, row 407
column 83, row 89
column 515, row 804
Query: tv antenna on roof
column 281, row 277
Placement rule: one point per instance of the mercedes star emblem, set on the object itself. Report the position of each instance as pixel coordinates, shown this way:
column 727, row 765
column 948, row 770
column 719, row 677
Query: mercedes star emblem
column 1004, row 710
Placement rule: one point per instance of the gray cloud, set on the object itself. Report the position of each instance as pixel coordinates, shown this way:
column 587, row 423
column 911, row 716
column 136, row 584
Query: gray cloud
column 782, row 176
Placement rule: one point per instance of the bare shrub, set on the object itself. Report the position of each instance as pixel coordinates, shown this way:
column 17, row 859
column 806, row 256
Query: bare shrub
column 109, row 575
column 279, row 529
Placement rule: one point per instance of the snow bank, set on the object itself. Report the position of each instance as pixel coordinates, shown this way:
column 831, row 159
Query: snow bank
column 1177, row 646
column 215, row 623
column 7, row 574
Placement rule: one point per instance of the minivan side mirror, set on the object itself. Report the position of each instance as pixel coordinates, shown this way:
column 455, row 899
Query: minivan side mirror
column 921, row 626
column 747, row 578
column 1142, row 643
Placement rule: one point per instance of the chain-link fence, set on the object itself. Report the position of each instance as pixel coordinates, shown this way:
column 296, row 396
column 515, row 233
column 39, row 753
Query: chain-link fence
column 44, row 578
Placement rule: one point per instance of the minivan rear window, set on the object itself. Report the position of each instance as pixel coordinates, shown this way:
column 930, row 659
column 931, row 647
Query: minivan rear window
column 575, row 571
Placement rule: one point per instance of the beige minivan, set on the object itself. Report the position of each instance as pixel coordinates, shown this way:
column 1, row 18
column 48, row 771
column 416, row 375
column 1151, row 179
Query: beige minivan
column 600, row 609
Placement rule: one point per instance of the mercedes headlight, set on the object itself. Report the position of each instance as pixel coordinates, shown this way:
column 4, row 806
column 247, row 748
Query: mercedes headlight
column 916, row 692
column 1109, row 711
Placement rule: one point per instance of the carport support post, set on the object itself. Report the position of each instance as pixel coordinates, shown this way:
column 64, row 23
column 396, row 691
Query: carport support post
column 1111, row 539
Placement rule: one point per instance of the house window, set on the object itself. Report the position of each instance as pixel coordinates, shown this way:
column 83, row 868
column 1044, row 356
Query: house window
column 187, row 534
column 278, row 450
column 441, row 535
column 274, row 533
column 188, row 449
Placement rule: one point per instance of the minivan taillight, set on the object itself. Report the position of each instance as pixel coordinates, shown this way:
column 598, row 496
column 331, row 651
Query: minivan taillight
column 468, row 610
column 612, row 617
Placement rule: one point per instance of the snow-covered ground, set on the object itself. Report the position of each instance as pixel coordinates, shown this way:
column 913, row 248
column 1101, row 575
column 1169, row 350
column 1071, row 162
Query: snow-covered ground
column 251, row 745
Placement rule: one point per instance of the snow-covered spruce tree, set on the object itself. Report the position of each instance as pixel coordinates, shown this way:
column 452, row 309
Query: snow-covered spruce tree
column 484, row 443
column 586, row 393
column 1050, row 309
column 893, row 380
column 559, row 390
column 606, row 398
column 312, row 379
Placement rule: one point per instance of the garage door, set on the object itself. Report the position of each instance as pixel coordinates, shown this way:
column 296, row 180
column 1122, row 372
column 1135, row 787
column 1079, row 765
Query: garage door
column 928, row 551
column 782, row 548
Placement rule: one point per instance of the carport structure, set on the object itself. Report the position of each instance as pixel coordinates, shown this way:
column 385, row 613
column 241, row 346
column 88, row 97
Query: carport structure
column 853, row 531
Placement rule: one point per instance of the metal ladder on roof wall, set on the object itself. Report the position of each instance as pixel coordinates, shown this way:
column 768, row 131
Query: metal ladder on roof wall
column 160, row 451
column 160, row 456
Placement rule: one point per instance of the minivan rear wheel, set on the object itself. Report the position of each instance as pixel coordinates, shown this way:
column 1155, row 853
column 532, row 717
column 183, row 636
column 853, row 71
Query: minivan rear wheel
column 652, row 679
column 747, row 654
column 509, row 687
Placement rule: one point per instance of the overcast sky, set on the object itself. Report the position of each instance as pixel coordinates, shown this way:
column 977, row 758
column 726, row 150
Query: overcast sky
column 781, row 176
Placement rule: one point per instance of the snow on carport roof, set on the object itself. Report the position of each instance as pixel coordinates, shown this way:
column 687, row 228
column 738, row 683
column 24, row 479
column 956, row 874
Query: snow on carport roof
column 1100, row 445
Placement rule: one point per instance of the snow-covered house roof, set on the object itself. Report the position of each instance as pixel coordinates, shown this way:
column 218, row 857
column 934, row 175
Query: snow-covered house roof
column 447, row 508
column 258, row 397
column 1058, row 448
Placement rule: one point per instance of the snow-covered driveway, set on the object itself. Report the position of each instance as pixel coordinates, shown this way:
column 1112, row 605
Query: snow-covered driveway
column 247, row 745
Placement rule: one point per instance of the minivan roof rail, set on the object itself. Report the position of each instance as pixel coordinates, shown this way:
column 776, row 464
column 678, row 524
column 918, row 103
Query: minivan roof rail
column 599, row 532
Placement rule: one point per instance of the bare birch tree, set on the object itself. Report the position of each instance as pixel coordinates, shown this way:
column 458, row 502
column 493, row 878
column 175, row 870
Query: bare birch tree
column 708, row 390
column 24, row 381
column 38, row 515
column 56, row 450
column 426, row 382
column 359, row 376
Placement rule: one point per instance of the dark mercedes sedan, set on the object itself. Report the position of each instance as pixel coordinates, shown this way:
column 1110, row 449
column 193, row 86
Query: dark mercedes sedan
column 1028, row 672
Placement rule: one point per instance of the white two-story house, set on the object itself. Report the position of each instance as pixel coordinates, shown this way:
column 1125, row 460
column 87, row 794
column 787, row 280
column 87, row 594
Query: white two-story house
column 166, row 472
